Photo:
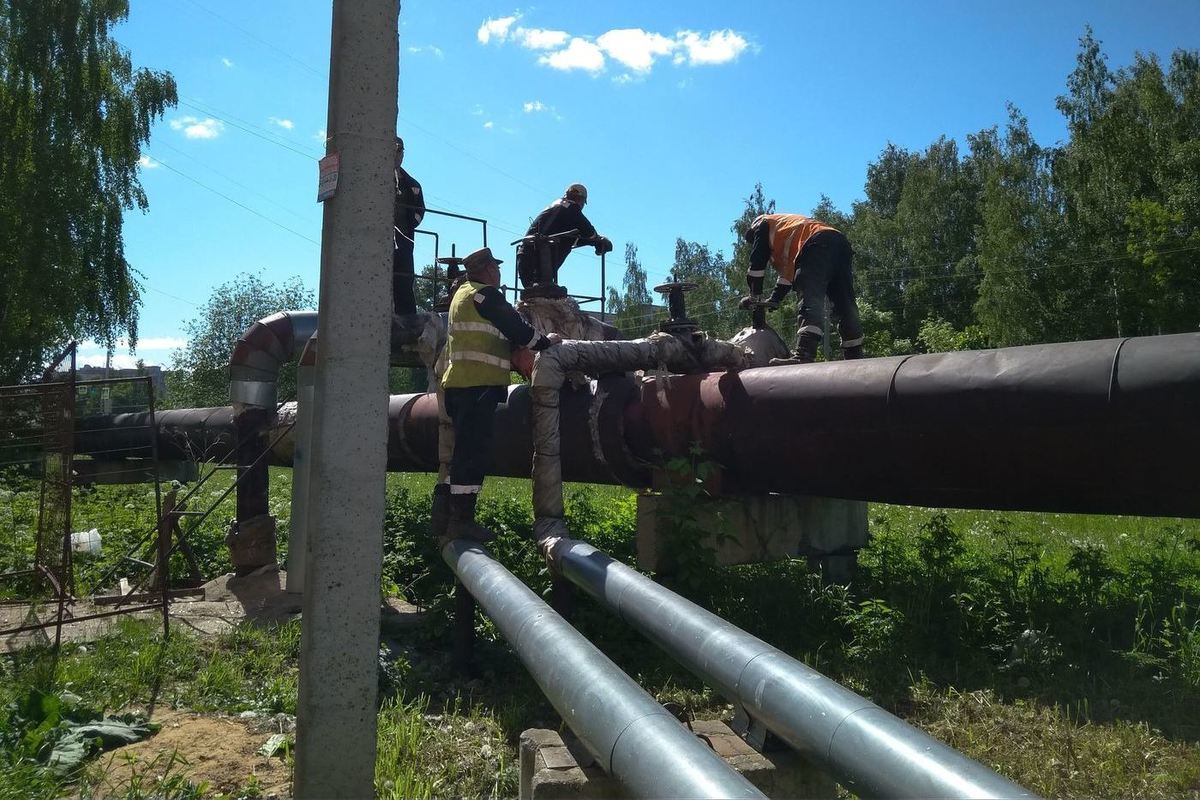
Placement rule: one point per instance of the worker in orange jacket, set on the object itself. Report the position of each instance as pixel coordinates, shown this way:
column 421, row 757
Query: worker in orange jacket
column 814, row 258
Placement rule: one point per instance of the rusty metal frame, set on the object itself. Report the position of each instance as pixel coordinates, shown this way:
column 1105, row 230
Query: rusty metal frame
column 62, row 585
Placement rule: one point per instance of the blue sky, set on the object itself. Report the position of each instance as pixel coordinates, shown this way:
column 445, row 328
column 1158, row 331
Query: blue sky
column 668, row 112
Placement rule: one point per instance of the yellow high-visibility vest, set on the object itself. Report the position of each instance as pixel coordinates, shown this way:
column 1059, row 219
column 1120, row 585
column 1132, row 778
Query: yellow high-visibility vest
column 478, row 353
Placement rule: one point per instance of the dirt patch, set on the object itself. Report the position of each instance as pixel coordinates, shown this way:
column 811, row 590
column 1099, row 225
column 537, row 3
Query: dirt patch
column 218, row 751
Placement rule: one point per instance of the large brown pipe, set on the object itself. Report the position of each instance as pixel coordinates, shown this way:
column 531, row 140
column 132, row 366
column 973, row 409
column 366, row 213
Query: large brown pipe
column 1106, row 427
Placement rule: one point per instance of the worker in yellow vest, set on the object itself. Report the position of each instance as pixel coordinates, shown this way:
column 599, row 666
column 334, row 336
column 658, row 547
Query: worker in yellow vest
column 814, row 258
column 483, row 332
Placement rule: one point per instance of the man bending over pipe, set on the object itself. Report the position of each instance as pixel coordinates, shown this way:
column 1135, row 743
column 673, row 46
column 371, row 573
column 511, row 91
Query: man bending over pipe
column 483, row 332
column 814, row 259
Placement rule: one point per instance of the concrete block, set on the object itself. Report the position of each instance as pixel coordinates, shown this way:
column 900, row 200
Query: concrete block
column 251, row 543
column 753, row 529
column 556, row 767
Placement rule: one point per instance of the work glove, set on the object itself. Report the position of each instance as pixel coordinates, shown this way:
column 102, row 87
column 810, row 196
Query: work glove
column 603, row 245
column 554, row 338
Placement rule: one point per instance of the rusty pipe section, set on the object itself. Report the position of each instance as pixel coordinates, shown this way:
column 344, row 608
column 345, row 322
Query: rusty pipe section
column 1087, row 427
column 261, row 351
column 661, row 351
column 1102, row 427
column 281, row 338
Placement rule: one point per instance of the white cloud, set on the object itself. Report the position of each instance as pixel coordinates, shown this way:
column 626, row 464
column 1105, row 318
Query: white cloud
column 146, row 162
column 497, row 28
column 535, row 105
column 477, row 111
column 286, row 124
column 227, row 62
column 540, row 38
column 579, row 54
column 718, row 47
column 489, row 125
column 194, row 128
column 321, row 135
column 634, row 47
column 433, row 50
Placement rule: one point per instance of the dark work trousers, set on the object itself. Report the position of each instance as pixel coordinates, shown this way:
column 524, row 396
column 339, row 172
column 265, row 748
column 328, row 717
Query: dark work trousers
column 403, row 300
column 530, row 266
column 472, row 410
column 823, row 269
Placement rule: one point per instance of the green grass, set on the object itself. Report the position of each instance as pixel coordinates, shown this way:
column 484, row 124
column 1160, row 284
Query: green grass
column 1063, row 650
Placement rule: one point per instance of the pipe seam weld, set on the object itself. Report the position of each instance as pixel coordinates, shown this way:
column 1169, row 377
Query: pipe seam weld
column 630, row 724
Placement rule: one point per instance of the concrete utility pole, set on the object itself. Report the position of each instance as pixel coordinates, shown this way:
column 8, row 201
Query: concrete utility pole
column 335, row 747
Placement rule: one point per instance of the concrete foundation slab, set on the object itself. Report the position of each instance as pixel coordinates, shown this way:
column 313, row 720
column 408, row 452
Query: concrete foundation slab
column 752, row 529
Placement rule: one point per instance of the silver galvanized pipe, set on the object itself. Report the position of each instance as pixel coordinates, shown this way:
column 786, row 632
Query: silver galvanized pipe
column 633, row 738
column 871, row 752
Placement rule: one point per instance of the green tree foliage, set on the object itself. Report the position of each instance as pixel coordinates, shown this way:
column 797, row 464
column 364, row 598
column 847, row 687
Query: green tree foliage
column 713, row 302
column 76, row 114
column 632, row 309
column 1023, row 243
column 200, row 374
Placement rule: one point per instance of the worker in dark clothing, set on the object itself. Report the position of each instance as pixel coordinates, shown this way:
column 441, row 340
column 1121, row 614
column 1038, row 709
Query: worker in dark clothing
column 538, row 261
column 483, row 332
column 407, row 214
column 814, row 258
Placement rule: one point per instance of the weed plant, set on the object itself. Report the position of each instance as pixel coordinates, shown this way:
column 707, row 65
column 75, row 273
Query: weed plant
column 1062, row 650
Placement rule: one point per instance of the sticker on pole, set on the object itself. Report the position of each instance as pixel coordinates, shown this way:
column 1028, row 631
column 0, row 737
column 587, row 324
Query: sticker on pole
column 327, row 183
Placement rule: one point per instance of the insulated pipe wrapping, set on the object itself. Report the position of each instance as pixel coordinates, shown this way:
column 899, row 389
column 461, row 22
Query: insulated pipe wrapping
column 1106, row 427
column 633, row 738
column 873, row 753
column 259, row 353
column 658, row 352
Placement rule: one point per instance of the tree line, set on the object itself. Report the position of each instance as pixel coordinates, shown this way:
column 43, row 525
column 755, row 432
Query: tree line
column 1005, row 241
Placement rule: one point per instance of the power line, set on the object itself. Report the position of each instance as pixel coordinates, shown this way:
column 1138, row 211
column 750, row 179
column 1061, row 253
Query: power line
column 236, row 202
column 240, row 185
column 247, row 127
column 172, row 296
column 261, row 41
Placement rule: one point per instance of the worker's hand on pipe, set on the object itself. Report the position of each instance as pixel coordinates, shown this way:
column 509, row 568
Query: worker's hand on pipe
column 603, row 245
column 554, row 338
column 749, row 301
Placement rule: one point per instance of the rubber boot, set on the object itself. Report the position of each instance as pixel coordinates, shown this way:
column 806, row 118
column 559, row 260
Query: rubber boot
column 852, row 353
column 439, row 514
column 462, row 520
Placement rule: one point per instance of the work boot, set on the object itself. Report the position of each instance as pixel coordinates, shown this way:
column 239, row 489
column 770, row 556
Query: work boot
column 806, row 351
column 462, row 520
column 853, row 352
column 439, row 514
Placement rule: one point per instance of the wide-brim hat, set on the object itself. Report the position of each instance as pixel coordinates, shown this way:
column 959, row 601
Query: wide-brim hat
column 480, row 259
